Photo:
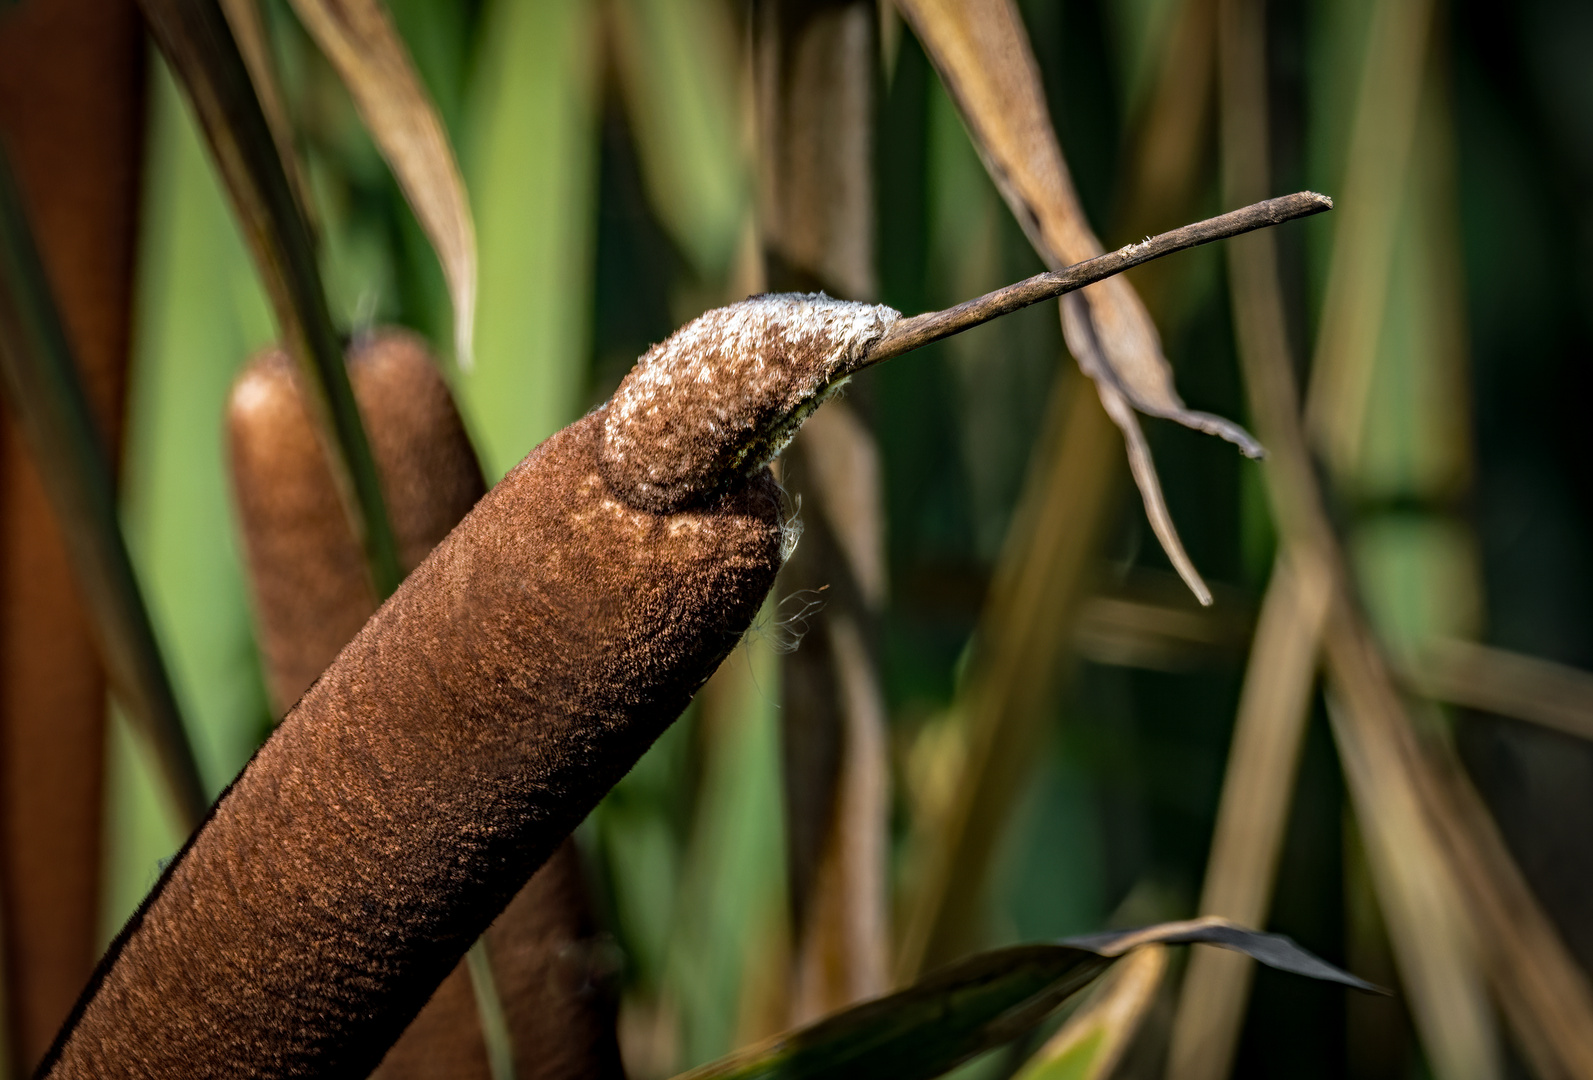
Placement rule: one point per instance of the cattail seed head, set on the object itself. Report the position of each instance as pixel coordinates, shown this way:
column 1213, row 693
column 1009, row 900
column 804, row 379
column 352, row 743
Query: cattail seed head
column 723, row 395
column 307, row 570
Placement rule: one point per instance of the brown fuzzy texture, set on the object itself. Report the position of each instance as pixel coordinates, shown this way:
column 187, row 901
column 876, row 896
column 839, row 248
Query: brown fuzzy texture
column 313, row 595
column 551, row 969
column 724, row 394
column 547, row 963
column 72, row 123
column 472, row 723
column 306, row 567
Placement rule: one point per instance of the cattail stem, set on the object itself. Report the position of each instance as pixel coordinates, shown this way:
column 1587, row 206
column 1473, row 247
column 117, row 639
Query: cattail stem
column 919, row 330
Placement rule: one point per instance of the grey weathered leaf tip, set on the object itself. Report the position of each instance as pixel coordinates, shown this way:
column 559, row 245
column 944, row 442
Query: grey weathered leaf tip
column 1274, row 950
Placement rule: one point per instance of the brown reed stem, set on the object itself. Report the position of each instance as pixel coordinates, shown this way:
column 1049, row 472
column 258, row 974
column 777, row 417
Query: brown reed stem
column 919, row 330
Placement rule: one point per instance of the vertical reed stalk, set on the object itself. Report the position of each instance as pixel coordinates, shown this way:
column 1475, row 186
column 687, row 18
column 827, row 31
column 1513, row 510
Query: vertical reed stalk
column 71, row 95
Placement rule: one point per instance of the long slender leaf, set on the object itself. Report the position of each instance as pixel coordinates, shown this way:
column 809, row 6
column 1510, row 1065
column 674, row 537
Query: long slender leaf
column 1506, row 684
column 1414, row 885
column 814, row 69
column 1376, row 165
column 982, row 1002
column 199, row 310
column 1274, row 706
column 731, row 889
column 254, row 45
column 199, row 45
column 1092, row 1042
column 42, row 387
column 531, row 164
column 677, row 66
column 359, row 39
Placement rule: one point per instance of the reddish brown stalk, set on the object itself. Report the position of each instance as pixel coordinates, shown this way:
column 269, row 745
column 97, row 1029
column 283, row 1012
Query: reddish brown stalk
column 71, row 117
column 476, row 719
column 312, row 595
column 920, row 330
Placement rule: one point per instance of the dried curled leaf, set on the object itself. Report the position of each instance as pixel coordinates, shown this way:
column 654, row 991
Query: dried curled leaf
column 984, row 59
column 359, row 39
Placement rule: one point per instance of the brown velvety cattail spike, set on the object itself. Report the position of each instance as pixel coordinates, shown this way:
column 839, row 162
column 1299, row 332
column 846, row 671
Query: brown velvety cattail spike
column 480, row 715
column 306, row 567
column 547, row 964
column 312, row 594
column 511, row 680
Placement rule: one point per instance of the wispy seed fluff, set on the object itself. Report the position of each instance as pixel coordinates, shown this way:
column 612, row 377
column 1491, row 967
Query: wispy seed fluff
column 724, row 394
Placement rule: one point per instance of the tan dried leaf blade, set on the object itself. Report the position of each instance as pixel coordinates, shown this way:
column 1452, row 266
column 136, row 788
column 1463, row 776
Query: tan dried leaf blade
column 982, row 53
column 359, row 39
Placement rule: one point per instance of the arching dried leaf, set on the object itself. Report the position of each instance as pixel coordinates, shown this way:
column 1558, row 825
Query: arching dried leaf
column 358, row 37
column 984, row 59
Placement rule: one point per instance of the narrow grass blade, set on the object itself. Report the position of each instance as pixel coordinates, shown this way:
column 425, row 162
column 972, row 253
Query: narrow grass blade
column 1254, row 809
column 722, row 967
column 983, row 1001
column 814, row 70
column 1093, row 1040
column 679, row 70
column 1376, row 164
column 833, row 716
column 197, row 42
column 489, row 1008
column 1506, row 684
column 358, row 37
column 41, row 383
column 1041, row 580
column 814, row 74
column 1539, row 986
column 254, row 45
column 1432, row 932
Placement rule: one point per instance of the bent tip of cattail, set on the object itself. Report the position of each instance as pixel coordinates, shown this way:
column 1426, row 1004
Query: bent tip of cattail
column 256, row 392
column 724, row 394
